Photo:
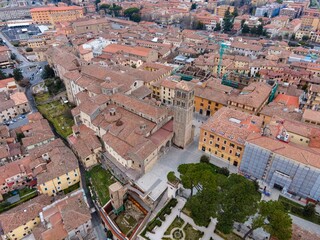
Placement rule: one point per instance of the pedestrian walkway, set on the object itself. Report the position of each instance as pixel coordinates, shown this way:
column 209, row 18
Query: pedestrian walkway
column 176, row 211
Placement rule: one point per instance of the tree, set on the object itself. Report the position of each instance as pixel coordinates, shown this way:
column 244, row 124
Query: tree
column 218, row 27
column 253, row 30
column 243, row 22
column 2, row 75
column 190, row 175
column 17, row 74
column 227, row 21
column 104, row 7
column 135, row 17
column 265, row 14
column 245, row 29
column 13, row 56
column 260, row 29
column 129, row 11
column 47, row 72
column 239, row 200
column 305, row 38
column 235, row 12
column 224, row 171
column 97, row 2
column 193, row 6
column 198, row 25
column 115, row 9
column 204, row 159
column 279, row 1
column 229, row 199
column 274, row 219
column 309, row 210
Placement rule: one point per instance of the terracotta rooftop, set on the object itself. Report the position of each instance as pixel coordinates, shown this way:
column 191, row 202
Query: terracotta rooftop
column 134, row 50
column 23, row 213
column 233, row 124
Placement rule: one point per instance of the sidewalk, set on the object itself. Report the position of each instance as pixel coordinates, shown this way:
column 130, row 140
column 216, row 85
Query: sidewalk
column 208, row 232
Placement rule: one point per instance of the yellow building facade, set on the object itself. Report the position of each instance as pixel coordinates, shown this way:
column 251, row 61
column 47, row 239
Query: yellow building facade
column 219, row 146
column 52, row 15
column 224, row 134
column 60, row 183
column 205, row 106
column 23, row 230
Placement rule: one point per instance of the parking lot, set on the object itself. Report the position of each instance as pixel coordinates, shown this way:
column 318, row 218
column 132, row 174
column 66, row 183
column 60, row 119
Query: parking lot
column 17, row 122
column 20, row 33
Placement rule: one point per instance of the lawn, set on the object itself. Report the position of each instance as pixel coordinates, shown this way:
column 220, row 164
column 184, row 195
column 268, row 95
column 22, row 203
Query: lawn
column 191, row 233
column 297, row 210
column 177, row 222
column 59, row 115
column 101, row 179
column 43, row 97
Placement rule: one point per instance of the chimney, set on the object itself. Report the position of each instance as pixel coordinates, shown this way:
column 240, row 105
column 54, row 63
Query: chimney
column 112, row 111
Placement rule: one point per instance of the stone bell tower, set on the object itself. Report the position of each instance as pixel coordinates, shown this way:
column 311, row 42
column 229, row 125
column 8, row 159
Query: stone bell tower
column 183, row 104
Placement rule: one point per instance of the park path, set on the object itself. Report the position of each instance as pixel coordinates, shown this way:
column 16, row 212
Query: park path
column 176, row 211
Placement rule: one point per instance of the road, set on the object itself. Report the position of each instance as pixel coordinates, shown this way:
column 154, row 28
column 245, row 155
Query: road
column 14, row 50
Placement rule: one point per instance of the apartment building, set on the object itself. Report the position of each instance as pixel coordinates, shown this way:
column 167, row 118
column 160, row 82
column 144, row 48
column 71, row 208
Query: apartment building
column 313, row 101
column 36, row 43
column 5, row 57
column 53, row 14
column 55, row 167
column 145, row 54
column 221, row 10
column 210, row 96
column 251, row 99
column 224, row 134
column 15, row 175
column 312, row 117
column 66, row 218
column 11, row 105
column 37, row 133
column 18, row 222
column 86, row 145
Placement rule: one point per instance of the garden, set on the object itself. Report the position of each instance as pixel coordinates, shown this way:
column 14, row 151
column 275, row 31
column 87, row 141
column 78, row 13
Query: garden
column 57, row 113
column 25, row 194
column 100, row 179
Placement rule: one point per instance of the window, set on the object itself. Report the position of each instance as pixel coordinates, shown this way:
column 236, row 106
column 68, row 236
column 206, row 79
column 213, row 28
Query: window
column 225, row 142
column 204, row 139
column 210, row 142
column 223, row 148
column 45, row 189
column 230, row 151
column 217, row 145
column 239, row 148
column 205, row 133
column 218, row 139
column 203, row 148
column 59, row 182
column 231, row 145
column 211, row 136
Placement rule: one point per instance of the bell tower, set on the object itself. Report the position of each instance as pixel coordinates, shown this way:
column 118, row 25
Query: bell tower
column 183, row 104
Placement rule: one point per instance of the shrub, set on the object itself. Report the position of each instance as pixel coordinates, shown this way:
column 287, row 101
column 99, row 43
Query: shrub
column 204, row 159
column 309, row 210
column 162, row 217
column 171, row 177
column 223, row 171
column 168, row 211
column 29, row 49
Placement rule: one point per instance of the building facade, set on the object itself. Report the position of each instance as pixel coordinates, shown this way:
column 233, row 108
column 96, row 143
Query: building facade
column 52, row 15
column 283, row 166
